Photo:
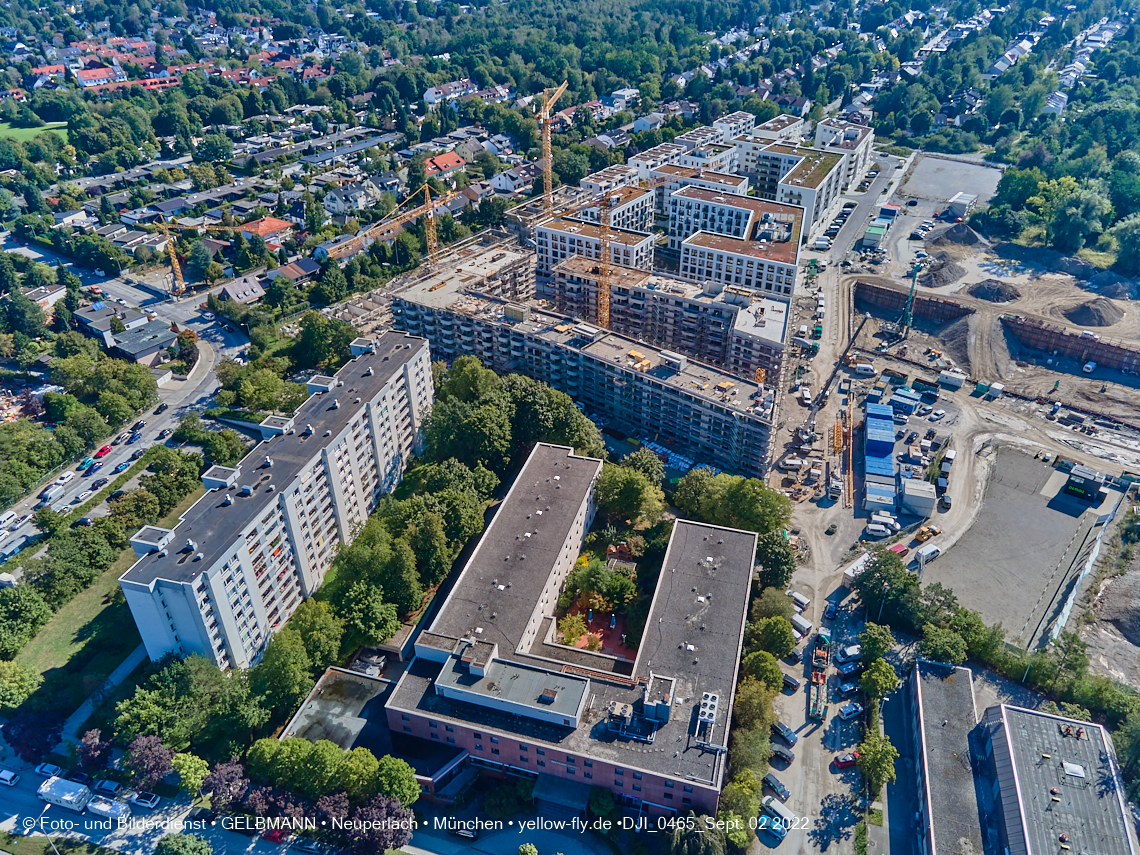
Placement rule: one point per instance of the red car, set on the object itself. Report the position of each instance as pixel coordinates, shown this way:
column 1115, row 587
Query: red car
column 846, row 761
column 275, row 835
column 104, row 451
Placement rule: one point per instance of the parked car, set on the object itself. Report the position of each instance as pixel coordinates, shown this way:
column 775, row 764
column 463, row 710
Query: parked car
column 139, row 425
column 275, row 835
column 104, row 451
column 138, row 453
column 831, row 611
column 121, row 438
column 108, row 786
column 95, row 468
column 925, row 410
column 848, row 688
column 911, row 437
column 849, row 668
column 161, row 408
column 122, row 467
column 86, row 522
column 82, row 497
column 135, row 437
column 79, row 777
column 49, row 770
column 946, row 501
column 9, row 779
column 118, row 494
column 147, row 800
column 850, row 711
column 307, row 844
column 83, row 464
column 786, row 733
column 791, row 683
column 98, row 483
column 165, row 432
column 209, row 316
column 776, row 786
column 937, row 415
column 849, row 653
column 846, row 761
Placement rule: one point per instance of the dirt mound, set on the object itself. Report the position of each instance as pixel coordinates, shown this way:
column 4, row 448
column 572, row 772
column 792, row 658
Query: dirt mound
column 941, row 270
column 959, row 234
column 1120, row 604
column 955, row 339
column 994, row 290
column 1118, row 291
column 1095, row 313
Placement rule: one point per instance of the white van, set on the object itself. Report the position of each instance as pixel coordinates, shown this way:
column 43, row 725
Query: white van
column 885, row 521
column 801, row 624
column 771, row 806
column 799, row 599
column 877, row 530
column 805, row 396
column 928, row 553
column 803, row 333
column 1089, row 367
column 865, row 368
column 8, row 519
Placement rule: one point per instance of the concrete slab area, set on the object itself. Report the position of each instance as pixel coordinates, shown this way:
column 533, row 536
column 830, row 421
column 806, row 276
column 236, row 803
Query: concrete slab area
column 938, row 178
column 1022, row 549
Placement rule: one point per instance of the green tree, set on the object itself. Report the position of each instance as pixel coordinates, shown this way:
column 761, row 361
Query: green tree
column 753, row 708
column 528, row 849
column 879, row 680
column 762, row 665
column 192, row 771
column 215, row 148
column 201, row 256
column 877, row 761
column 373, row 620
column 356, row 774
column 23, row 613
column 876, row 641
column 749, row 749
column 886, row 587
column 16, row 684
column 183, row 844
column 691, row 837
column 624, row 492
column 320, row 630
column 942, row 645
column 284, row 676
column 213, row 272
column 1127, row 234
column 647, row 463
column 572, row 627
column 772, row 602
column 397, row 780
column 332, row 286
column 776, row 558
column 775, row 635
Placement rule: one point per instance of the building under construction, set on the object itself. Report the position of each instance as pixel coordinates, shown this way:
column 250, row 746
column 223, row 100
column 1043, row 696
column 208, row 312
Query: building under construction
column 476, row 303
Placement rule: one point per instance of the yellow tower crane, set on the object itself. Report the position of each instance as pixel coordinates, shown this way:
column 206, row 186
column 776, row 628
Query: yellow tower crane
column 547, row 158
column 178, row 286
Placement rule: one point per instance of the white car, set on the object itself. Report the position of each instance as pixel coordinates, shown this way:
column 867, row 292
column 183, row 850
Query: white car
column 9, row 779
column 849, row 653
column 147, row 800
column 209, row 316
column 82, row 497
column 64, row 478
column 26, row 518
column 937, row 415
column 48, row 770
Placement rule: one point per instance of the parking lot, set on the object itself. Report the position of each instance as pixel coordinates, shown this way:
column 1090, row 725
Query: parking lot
column 1017, row 581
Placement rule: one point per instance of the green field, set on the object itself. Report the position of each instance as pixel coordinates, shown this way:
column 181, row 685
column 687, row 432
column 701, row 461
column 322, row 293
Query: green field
column 40, row 845
column 87, row 639
column 25, row 134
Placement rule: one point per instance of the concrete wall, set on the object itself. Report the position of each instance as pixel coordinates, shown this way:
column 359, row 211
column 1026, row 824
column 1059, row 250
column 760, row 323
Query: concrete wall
column 887, row 299
column 1049, row 338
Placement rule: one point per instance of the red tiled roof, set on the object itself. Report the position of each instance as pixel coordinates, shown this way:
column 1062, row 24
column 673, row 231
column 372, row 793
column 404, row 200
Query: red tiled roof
column 266, row 226
column 443, row 163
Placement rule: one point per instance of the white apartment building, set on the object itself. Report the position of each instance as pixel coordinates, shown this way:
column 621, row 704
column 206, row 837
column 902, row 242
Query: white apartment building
column 735, row 124
column 658, row 156
column 241, row 560
column 693, row 209
column 717, row 157
column 610, row 178
column 701, row 136
column 757, row 265
column 563, row 238
column 630, row 208
column 854, row 142
column 782, row 128
column 676, row 177
column 791, row 175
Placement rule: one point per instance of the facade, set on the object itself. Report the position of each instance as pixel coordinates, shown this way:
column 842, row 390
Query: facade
column 781, row 128
column 630, row 209
column 241, row 560
column 704, row 412
column 562, row 238
column 146, row 344
column 854, row 142
column 501, row 688
column 715, row 157
column 610, row 178
column 810, row 179
column 673, row 178
column 733, row 328
column 660, row 155
column 735, row 124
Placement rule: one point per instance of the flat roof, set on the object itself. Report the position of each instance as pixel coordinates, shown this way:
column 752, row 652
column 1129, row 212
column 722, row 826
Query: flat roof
column 782, row 252
column 706, row 175
column 585, row 228
column 1076, row 759
column 513, row 683
column 698, row 612
column 214, row 526
column 780, row 122
column 444, row 286
column 947, row 715
column 813, row 168
column 346, row 708
column 496, row 593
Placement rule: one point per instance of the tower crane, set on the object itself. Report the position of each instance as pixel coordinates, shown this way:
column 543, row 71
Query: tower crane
column 425, row 209
column 547, row 158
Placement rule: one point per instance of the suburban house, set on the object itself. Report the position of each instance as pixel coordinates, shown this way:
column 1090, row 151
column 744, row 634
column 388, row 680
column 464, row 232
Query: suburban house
column 298, row 272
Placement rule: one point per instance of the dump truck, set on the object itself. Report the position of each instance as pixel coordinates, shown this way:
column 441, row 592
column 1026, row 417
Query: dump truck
column 820, row 659
column 927, row 532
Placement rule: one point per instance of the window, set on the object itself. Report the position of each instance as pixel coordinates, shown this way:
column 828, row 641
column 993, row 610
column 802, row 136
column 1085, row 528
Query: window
column 494, row 740
column 541, row 752
column 669, row 796
column 405, row 717
column 433, row 724
column 589, row 764
column 523, row 758
column 686, row 801
column 569, row 770
column 637, row 776
column 688, row 789
column 435, row 736
column 451, row 740
column 668, row 785
column 524, row 748
column 449, row 728
column 478, row 746
column 541, row 762
column 619, row 771
column 407, row 729
column 618, row 782
column 637, row 788
column 569, row 759
column 494, row 750
column 477, row 735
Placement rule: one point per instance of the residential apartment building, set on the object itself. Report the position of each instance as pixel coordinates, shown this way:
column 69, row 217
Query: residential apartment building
column 809, row 178
column 561, row 238
column 701, row 136
column 731, row 327
column 703, row 411
column 735, row 124
column 854, row 142
column 610, row 178
column 519, row 702
column 716, row 157
column 630, row 208
column 782, row 128
column 660, row 155
column 241, row 560
column 675, row 177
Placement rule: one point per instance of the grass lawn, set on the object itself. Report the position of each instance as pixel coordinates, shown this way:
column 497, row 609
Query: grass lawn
column 88, row 638
column 41, row 846
column 1099, row 258
column 25, row 134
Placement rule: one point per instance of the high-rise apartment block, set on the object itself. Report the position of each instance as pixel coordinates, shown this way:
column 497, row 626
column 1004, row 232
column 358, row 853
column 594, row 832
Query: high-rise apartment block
column 854, row 142
column 562, row 238
column 241, row 560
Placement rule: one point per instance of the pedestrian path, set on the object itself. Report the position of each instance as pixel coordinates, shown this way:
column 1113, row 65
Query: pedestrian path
column 76, row 720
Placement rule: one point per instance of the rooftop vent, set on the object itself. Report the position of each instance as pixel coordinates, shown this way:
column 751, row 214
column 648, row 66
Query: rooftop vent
column 368, row 373
column 548, row 696
column 308, row 430
column 199, row 557
column 336, row 404
column 191, row 546
column 228, row 500
column 246, row 490
column 268, row 461
column 328, row 433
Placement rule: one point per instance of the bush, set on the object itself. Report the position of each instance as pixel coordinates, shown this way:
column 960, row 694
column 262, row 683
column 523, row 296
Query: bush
column 508, row 798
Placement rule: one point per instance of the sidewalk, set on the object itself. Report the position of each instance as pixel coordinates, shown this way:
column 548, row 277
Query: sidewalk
column 77, row 718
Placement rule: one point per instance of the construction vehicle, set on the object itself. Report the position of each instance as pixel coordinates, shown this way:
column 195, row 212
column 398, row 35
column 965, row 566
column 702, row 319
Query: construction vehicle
column 820, row 660
column 927, row 532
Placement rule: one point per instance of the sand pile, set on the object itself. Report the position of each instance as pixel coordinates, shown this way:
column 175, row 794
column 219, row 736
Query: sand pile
column 1118, row 291
column 994, row 290
column 941, row 270
column 1095, row 313
column 959, row 234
